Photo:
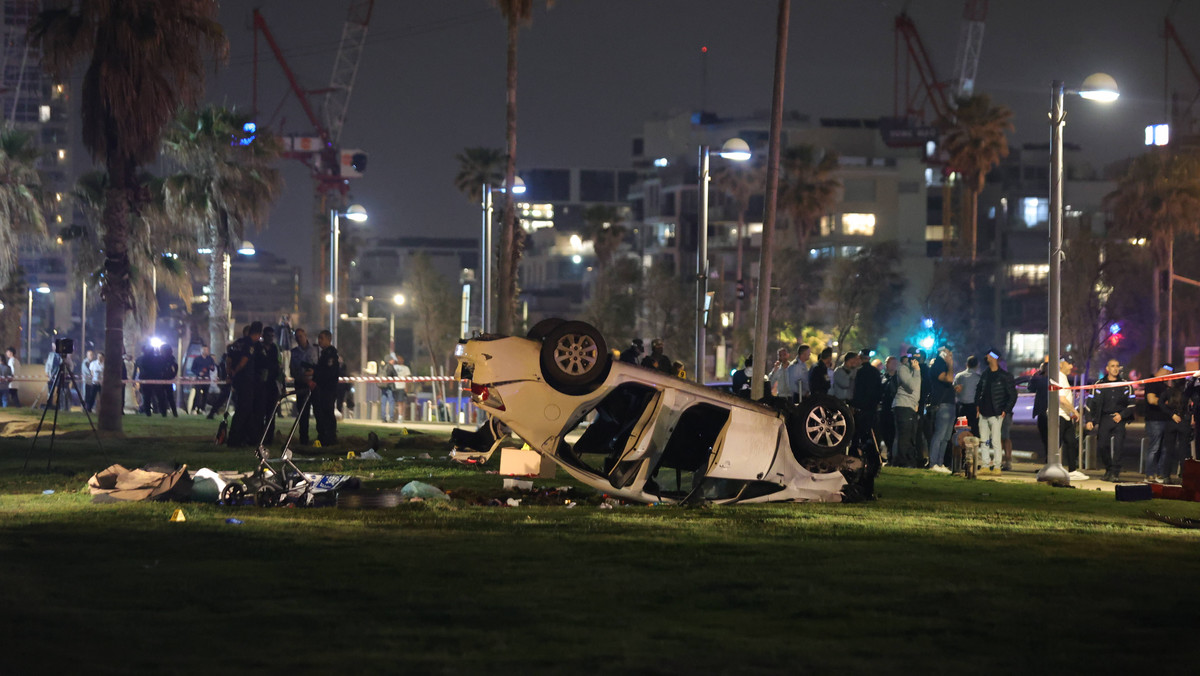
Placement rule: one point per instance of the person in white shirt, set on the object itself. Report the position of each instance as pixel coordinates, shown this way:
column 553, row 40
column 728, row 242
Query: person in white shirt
column 777, row 378
column 95, row 376
column 1068, row 416
column 797, row 374
column 401, row 392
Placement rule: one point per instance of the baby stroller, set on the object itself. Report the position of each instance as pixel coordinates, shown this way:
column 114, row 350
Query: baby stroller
column 280, row 482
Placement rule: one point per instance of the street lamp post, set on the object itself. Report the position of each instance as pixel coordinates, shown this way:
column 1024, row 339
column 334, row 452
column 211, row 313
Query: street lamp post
column 486, row 262
column 734, row 149
column 397, row 300
column 357, row 214
column 1097, row 87
column 42, row 288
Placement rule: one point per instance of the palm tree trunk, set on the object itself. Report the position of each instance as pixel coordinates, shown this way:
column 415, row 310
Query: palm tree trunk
column 218, row 305
column 117, row 291
column 510, row 253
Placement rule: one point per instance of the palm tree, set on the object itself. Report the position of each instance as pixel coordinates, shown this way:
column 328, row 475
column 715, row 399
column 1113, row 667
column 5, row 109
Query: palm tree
column 808, row 189
column 479, row 166
column 975, row 140
column 161, row 252
column 516, row 13
column 1158, row 198
column 145, row 60
column 224, row 186
column 20, row 198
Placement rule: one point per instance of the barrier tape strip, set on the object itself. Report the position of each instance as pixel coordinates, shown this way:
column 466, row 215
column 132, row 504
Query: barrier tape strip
column 1124, row 383
column 199, row 381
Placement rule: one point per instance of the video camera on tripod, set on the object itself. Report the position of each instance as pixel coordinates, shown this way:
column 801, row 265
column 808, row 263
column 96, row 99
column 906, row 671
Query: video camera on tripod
column 64, row 346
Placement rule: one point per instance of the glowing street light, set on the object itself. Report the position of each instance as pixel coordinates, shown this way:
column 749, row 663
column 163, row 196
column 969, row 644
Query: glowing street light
column 356, row 213
column 739, row 151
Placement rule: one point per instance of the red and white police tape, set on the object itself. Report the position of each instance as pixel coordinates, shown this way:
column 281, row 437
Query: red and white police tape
column 204, row 381
column 1123, row 383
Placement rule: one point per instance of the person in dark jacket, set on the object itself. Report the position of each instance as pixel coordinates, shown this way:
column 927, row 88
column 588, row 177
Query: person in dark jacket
column 633, row 353
column 325, row 386
column 741, row 378
column 657, row 360
column 868, row 393
column 304, row 359
column 995, row 395
column 268, row 372
column 241, row 367
column 820, row 379
column 1039, row 385
column 168, row 369
column 1110, row 411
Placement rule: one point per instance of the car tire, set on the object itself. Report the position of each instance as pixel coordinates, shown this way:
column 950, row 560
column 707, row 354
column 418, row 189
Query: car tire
column 821, row 426
column 544, row 327
column 574, row 358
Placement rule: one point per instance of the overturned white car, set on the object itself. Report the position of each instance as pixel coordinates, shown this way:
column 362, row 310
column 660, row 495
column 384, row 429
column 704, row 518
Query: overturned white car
column 652, row 437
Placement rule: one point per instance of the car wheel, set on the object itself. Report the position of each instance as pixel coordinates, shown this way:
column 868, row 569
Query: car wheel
column 575, row 358
column 544, row 327
column 821, row 426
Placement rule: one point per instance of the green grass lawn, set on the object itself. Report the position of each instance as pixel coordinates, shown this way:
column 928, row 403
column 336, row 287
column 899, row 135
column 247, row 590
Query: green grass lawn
column 939, row 574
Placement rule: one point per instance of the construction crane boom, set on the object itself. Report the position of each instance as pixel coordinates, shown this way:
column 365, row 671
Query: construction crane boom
column 970, row 43
column 345, row 67
column 929, row 91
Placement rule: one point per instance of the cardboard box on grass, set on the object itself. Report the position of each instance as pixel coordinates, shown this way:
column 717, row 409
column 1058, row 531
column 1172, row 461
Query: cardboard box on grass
column 525, row 462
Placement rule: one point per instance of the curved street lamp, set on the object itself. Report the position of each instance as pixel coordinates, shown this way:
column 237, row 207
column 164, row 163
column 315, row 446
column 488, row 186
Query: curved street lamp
column 739, row 151
column 356, row 213
column 1101, row 88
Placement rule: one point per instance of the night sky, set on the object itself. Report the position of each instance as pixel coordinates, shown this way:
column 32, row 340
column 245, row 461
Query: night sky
column 591, row 71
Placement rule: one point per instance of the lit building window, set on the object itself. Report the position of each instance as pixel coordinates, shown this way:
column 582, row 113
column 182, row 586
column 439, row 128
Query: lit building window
column 1035, row 210
column 1029, row 273
column 43, row 113
column 827, row 226
column 62, row 154
column 58, row 197
column 58, row 218
column 858, row 224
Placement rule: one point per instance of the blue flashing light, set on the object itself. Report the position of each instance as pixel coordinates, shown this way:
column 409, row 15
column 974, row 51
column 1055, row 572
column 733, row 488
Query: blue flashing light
column 249, row 129
column 927, row 342
column 927, row 323
column 1115, row 327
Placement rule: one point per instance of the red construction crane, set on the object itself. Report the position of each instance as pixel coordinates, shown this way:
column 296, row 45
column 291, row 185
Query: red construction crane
column 319, row 149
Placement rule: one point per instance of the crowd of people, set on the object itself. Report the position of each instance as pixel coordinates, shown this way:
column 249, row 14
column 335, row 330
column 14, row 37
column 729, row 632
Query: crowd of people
column 906, row 408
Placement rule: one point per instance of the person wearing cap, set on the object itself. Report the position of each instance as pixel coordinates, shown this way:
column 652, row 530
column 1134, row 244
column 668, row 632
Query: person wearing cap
column 942, row 407
column 1067, row 440
column 1110, row 411
column 633, row 353
column 904, row 410
column 657, row 360
column 994, row 396
column 1166, row 409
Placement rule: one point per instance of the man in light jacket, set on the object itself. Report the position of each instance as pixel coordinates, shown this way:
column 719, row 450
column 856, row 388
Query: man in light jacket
column 904, row 410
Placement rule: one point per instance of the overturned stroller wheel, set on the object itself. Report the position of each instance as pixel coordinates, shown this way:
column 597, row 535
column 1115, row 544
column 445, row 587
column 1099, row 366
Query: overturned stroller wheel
column 267, row 496
column 233, row 494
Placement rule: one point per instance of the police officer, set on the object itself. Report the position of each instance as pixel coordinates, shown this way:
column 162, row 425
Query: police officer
column 325, row 386
column 243, row 358
column 268, row 375
column 304, row 359
column 1111, row 411
column 166, row 369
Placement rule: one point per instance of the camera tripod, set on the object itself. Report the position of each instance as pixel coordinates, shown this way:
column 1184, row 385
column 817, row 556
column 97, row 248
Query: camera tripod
column 60, row 387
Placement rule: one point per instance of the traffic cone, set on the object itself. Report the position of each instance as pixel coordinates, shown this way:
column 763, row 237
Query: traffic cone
column 177, row 515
